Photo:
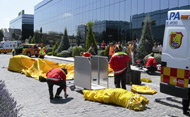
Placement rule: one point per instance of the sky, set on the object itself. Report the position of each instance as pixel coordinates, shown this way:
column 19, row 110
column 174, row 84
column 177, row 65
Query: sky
column 9, row 10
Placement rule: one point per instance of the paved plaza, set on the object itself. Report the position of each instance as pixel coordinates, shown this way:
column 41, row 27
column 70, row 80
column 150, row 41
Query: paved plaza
column 33, row 96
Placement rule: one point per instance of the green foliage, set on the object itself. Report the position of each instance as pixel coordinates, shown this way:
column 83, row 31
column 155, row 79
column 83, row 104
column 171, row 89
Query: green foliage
column 54, row 47
column 33, row 40
column 48, row 49
column 78, row 38
column 101, row 52
column 76, row 51
column 58, row 54
column 126, row 51
column 20, row 37
column 29, row 39
column 41, row 40
column 64, row 44
column 146, row 41
column 157, row 56
column 1, row 35
column 50, row 53
column 55, row 52
column 90, row 37
column 64, row 53
column 92, row 52
column 106, row 53
column 70, row 50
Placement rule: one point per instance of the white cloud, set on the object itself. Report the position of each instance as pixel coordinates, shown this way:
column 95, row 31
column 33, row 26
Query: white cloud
column 67, row 15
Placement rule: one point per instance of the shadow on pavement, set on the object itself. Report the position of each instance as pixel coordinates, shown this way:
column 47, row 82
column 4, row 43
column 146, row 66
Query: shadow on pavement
column 176, row 101
column 170, row 105
column 61, row 101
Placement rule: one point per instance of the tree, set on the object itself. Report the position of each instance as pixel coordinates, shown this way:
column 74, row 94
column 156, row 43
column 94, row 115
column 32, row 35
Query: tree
column 30, row 39
column 54, row 48
column 41, row 40
column 90, row 37
column 20, row 37
column 78, row 38
column 64, row 44
column 33, row 40
column 1, row 35
column 146, row 40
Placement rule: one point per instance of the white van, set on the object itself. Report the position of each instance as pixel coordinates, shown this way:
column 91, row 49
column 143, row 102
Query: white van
column 175, row 66
column 7, row 46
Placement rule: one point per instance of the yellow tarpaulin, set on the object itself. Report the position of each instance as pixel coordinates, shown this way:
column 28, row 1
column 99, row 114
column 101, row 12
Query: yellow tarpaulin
column 146, row 80
column 117, row 96
column 142, row 89
column 38, row 67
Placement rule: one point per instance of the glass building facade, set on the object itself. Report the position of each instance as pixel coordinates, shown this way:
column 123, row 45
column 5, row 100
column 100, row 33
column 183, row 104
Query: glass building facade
column 118, row 20
column 24, row 22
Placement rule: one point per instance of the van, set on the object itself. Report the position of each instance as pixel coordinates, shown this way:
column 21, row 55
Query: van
column 175, row 66
column 7, row 46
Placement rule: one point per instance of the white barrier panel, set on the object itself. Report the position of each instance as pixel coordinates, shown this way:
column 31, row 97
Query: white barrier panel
column 86, row 70
column 82, row 74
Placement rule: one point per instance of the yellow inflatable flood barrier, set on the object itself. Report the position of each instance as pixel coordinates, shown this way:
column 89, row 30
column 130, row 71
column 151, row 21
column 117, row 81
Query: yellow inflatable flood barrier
column 117, row 96
column 37, row 67
column 142, row 89
column 32, row 67
column 146, row 80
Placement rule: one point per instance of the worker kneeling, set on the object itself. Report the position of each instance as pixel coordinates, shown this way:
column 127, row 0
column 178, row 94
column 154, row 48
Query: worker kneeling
column 151, row 64
column 57, row 76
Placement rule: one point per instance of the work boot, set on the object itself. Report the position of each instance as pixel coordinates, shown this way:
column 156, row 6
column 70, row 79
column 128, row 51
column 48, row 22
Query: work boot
column 58, row 97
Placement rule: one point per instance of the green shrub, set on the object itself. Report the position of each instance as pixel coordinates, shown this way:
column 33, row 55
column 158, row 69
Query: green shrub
column 55, row 52
column 54, row 48
column 92, row 52
column 157, row 56
column 101, row 52
column 50, row 53
column 126, row 51
column 48, row 49
column 76, row 51
column 70, row 50
column 58, row 54
column 64, row 53
column 106, row 53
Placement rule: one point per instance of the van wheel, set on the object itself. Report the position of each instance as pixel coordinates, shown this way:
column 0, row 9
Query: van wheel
column 4, row 52
column 28, row 54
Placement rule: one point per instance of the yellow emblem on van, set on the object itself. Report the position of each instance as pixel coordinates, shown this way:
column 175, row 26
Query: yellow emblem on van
column 175, row 39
